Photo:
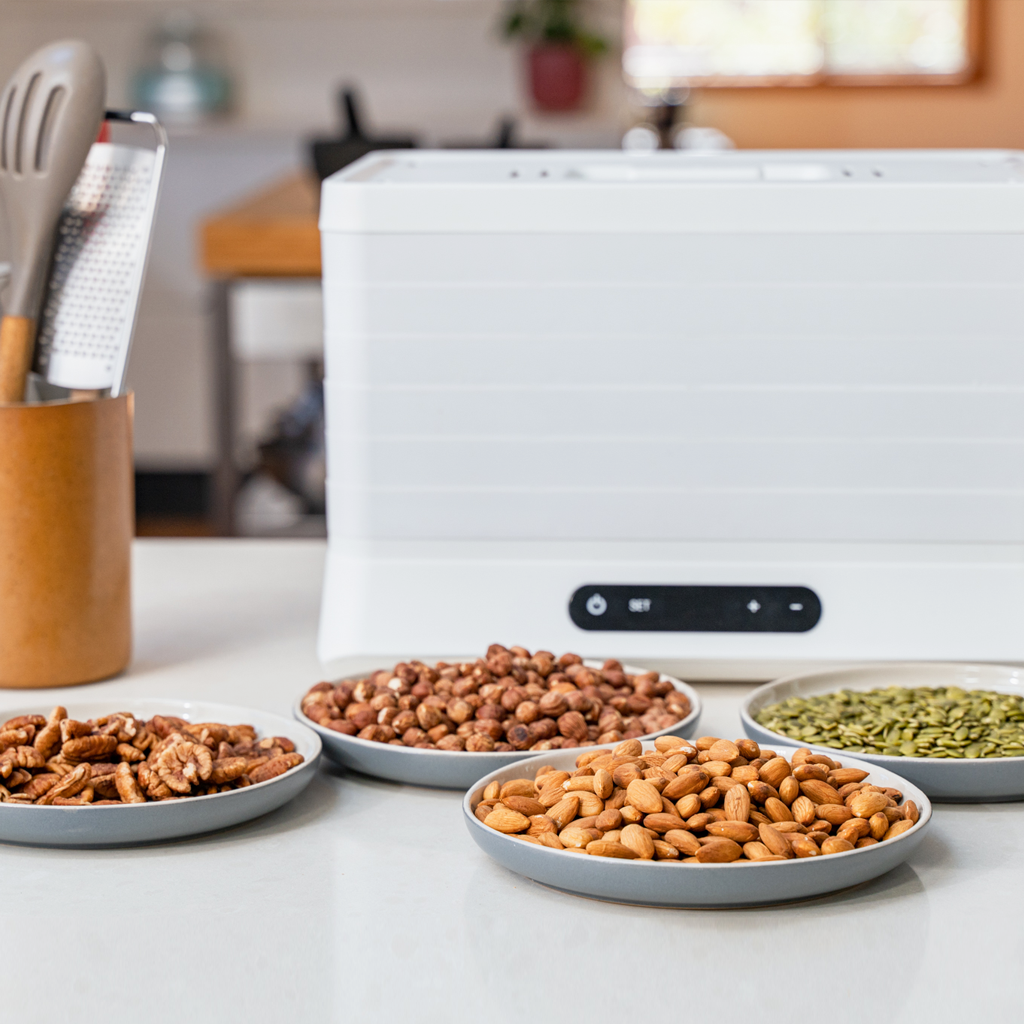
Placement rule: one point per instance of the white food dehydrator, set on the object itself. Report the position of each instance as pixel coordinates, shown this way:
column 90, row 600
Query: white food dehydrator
column 737, row 411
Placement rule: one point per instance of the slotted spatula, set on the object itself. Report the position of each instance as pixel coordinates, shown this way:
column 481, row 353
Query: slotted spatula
column 50, row 114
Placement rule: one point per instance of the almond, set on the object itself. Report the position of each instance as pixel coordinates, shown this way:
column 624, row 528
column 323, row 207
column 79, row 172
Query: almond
column 710, row 796
column 821, row 792
column 604, row 848
column 518, row 787
column 806, row 772
column 737, row 831
column 506, row 820
column 759, row 852
column 724, row 750
column 524, row 805
column 590, row 803
column 608, row 819
column 727, row 782
column 670, row 744
column 715, row 768
column 776, row 842
column 564, row 811
column 789, row 790
column 719, row 851
column 790, row 826
column 839, row 777
column 835, row 845
column 493, row 791
column 854, row 829
column 878, row 825
column 737, row 803
column 662, row 823
column 629, row 748
column 630, row 815
column 603, row 783
column 690, row 779
column 643, row 795
column 774, row 771
column 579, row 784
column 777, row 810
column 910, row 811
column 866, row 841
column 687, row 806
column 578, row 837
column 804, row 847
column 863, row 805
column 675, row 762
column 835, row 814
column 898, row 829
column 760, row 791
column 541, row 823
column 803, row 810
column 624, row 774
column 745, row 773
column 683, row 841
column 639, row 841
column 665, row 851
column 551, row 840
column 551, row 795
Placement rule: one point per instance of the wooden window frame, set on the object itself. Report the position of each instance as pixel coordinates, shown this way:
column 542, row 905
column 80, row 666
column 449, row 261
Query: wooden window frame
column 976, row 20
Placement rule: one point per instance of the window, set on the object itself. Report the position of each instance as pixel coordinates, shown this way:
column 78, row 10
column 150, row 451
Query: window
column 800, row 42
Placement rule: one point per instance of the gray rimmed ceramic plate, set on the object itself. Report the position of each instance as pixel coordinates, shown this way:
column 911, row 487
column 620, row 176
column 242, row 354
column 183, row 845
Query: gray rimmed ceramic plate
column 952, row 779
column 673, row 884
column 128, row 824
column 454, row 769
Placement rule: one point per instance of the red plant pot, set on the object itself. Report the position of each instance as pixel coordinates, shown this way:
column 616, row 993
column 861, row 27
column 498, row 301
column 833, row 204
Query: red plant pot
column 558, row 76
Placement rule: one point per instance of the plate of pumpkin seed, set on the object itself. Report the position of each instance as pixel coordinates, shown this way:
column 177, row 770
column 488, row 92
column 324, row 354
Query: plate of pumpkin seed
column 955, row 730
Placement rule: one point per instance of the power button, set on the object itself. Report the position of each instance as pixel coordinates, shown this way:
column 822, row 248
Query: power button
column 596, row 604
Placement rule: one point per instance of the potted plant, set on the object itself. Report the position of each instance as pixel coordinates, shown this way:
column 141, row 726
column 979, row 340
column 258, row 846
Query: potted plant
column 559, row 48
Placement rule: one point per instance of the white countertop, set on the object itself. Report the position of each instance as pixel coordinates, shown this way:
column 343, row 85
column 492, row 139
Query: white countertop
column 363, row 898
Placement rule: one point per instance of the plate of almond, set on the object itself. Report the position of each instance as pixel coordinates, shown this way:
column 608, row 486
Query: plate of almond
column 712, row 823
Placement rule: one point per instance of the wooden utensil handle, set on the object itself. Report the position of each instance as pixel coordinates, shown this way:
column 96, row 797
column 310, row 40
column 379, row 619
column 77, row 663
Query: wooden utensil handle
column 17, row 336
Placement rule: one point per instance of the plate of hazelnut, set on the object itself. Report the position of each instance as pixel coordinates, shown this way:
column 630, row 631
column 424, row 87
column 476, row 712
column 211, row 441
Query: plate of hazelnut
column 446, row 724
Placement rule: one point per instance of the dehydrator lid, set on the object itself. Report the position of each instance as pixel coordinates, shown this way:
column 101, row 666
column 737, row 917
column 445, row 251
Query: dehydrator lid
column 777, row 191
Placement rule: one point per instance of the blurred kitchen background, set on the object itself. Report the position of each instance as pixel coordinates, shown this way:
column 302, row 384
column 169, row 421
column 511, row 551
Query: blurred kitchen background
column 226, row 358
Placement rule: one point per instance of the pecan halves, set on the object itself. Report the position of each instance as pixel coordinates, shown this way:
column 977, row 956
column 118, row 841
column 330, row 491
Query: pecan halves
column 127, row 787
column 19, row 757
column 88, row 748
column 41, row 784
column 227, row 769
column 48, row 739
column 38, row 721
column 71, row 785
column 70, row 729
column 128, row 752
column 184, row 765
column 275, row 766
column 15, row 737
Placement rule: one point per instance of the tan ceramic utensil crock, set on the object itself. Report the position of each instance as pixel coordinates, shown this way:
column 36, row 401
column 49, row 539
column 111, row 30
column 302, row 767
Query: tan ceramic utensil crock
column 66, row 525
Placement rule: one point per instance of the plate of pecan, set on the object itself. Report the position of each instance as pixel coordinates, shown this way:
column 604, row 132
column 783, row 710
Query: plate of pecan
column 84, row 775
column 446, row 724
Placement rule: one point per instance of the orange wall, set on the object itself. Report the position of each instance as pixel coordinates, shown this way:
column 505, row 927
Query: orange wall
column 986, row 113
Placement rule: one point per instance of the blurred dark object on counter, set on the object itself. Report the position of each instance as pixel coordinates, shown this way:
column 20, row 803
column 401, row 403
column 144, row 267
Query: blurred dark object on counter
column 331, row 155
column 295, row 455
column 173, row 504
column 505, row 137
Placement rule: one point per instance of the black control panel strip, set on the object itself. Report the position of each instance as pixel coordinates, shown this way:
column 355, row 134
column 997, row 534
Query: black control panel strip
column 696, row 609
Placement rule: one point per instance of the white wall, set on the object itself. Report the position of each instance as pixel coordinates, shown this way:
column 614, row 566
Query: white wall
column 436, row 67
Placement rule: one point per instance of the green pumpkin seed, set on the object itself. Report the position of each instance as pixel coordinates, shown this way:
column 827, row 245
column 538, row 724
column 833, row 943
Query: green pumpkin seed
column 900, row 722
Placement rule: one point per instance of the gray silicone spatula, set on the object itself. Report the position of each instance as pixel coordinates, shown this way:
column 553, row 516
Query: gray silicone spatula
column 50, row 114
